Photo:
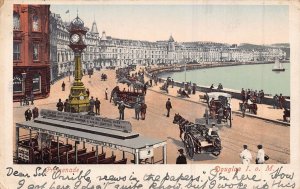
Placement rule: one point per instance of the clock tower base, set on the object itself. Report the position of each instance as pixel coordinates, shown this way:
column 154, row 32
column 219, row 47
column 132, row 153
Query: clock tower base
column 78, row 99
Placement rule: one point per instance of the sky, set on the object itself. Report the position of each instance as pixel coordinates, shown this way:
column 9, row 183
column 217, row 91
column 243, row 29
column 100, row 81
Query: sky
column 231, row 24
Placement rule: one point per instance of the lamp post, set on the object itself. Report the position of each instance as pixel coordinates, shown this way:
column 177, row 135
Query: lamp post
column 24, row 74
column 69, row 72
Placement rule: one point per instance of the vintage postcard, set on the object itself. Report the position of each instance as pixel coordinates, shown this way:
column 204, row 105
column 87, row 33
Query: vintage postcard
column 115, row 94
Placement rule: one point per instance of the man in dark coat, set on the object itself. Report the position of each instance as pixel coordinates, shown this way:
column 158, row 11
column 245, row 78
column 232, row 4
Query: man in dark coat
column 121, row 110
column 106, row 94
column 97, row 106
column 181, row 159
column 60, row 105
column 137, row 109
column 143, row 111
column 168, row 107
column 88, row 92
column 63, row 85
column 92, row 104
column 35, row 112
column 31, row 97
column 67, row 106
column 28, row 114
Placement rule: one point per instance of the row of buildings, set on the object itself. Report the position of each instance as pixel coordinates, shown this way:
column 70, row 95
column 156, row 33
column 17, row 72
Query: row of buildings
column 41, row 53
column 105, row 51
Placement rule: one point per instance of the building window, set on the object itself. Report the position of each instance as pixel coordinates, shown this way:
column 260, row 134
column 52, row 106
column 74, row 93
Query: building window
column 35, row 52
column 35, row 23
column 17, row 84
column 16, row 21
column 36, row 83
column 17, row 47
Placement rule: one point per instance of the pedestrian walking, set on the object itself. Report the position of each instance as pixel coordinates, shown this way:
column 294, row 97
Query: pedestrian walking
column 168, row 107
column 281, row 101
column 28, row 114
column 88, row 92
column 67, row 106
column 260, row 157
column 31, row 97
column 97, row 106
column 137, row 109
column 172, row 82
column 63, row 85
column 92, row 104
column 246, row 155
column 143, row 111
column 243, row 108
column 60, row 105
column 181, row 159
column 106, row 94
column 121, row 110
column 194, row 89
column 275, row 101
column 35, row 112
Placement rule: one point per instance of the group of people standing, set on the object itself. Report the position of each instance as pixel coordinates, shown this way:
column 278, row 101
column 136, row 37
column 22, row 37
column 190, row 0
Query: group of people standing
column 63, row 106
column 279, row 101
column 253, row 96
column 140, row 108
column 94, row 105
column 34, row 113
column 246, row 155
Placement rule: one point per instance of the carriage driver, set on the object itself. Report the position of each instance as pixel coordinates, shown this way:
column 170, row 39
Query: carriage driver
column 213, row 130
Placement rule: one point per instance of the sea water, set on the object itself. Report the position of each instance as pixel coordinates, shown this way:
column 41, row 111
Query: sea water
column 256, row 77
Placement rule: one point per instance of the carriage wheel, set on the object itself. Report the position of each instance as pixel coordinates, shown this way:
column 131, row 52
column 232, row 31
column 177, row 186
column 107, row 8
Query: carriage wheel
column 189, row 146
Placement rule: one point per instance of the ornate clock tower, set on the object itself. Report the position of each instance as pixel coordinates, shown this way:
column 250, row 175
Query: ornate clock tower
column 79, row 101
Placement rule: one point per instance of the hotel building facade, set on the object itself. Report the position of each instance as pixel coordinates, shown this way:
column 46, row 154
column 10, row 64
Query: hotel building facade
column 31, row 44
column 103, row 51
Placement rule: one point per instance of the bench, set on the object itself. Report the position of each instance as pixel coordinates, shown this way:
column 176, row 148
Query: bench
column 109, row 160
column 71, row 155
column 93, row 160
column 82, row 158
column 122, row 161
column 62, row 149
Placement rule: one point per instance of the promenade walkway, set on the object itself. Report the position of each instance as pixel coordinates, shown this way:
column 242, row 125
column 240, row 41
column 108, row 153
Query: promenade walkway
column 265, row 112
column 246, row 130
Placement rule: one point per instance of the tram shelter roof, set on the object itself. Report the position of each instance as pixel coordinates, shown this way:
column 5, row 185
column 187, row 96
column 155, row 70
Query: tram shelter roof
column 116, row 139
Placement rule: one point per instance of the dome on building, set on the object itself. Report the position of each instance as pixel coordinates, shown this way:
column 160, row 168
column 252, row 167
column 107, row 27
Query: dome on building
column 77, row 23
column 171, row 39
column 94, row 28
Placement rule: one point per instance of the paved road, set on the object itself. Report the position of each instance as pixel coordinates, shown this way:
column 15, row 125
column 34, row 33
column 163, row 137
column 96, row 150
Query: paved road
column 250, row 131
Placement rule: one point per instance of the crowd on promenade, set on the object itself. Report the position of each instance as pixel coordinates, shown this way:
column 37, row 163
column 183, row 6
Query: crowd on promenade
column 141, row 107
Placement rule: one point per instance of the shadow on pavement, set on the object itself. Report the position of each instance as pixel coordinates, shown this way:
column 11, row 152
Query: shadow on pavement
column 178, row 143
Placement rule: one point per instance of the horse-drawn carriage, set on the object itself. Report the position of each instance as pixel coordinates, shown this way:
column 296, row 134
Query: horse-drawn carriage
column 129, row 98
column 250, row 104
column 198, row 138
column 219, row 107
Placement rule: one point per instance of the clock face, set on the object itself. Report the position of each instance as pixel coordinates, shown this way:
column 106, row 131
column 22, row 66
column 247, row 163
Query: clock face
column 75, row 38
